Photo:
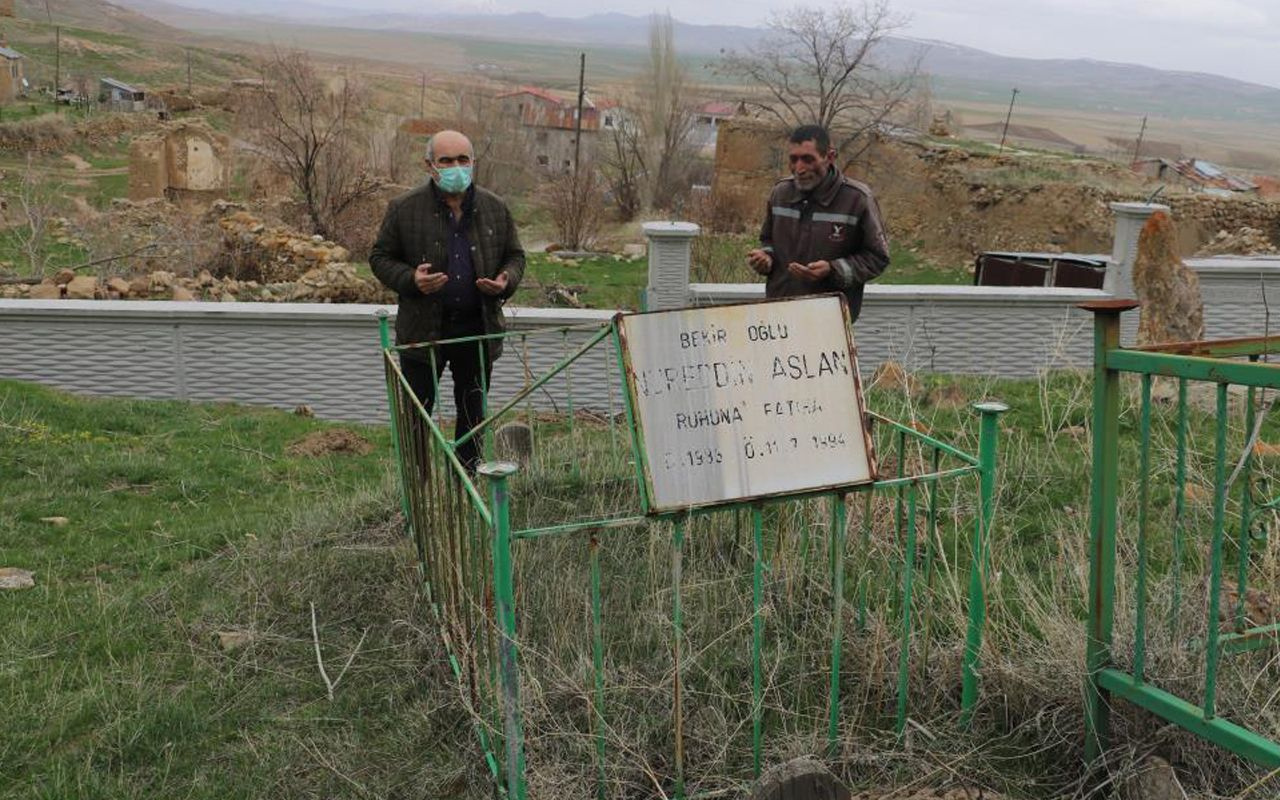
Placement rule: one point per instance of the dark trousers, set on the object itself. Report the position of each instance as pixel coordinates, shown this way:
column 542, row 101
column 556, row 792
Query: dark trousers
column 470, row 372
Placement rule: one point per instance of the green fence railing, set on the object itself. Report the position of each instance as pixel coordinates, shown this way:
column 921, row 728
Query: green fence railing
column 577, row 623
column 1238, row 501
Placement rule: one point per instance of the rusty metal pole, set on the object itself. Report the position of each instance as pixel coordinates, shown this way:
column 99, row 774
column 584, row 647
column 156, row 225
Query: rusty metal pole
column 1102, row 519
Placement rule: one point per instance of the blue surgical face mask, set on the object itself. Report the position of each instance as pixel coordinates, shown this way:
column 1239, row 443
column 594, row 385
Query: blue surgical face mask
column 453, row 180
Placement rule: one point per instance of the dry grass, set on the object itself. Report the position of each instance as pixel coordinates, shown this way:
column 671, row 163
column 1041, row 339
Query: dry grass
column 1027, row 738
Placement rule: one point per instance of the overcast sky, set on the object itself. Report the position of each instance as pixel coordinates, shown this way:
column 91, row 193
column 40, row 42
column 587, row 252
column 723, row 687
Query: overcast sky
column 1238, row 38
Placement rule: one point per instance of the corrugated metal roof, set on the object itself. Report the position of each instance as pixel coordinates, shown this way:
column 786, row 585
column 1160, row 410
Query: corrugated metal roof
column 1207, row 169
column 121, row 85
column 10, row 53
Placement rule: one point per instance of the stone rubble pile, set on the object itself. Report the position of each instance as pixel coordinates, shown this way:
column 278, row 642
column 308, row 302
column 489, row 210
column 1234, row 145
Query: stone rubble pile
column 330, row 283
column 251, row 250
column 1242, row 241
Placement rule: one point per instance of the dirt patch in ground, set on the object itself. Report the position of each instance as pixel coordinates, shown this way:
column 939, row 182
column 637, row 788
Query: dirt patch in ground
column 76, row 161
column 332, row 440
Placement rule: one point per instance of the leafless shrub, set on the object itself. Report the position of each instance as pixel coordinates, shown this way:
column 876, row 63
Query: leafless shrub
column 314, row 131
column 35, row 209
column 576, row 205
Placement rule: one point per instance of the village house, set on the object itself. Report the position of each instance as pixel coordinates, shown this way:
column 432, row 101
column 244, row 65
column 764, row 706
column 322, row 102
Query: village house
column 12, row 80
column 706, row 124
column 120, row 96
column 1195, row 174
column 550, row 120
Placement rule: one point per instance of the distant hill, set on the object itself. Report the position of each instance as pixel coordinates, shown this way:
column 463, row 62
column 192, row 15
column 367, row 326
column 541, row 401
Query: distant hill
column 957, row 72
column 100, row 39
column 95, row 15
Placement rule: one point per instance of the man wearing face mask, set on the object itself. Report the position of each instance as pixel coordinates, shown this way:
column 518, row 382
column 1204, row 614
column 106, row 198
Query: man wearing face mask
column 450, row 251
column 822, row 231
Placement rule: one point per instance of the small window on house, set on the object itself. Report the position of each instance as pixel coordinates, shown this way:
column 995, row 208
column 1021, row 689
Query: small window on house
column 608, row 121
column 568, row 163
column 706, row 121
column 543, row 161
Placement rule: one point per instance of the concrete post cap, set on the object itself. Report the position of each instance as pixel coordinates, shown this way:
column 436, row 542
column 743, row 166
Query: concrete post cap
column 673, row 230
column 991, row 407
column 1137, row 209
column 497, row 469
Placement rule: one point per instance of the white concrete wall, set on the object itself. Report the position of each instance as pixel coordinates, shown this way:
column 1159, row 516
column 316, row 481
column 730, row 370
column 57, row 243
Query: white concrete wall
column 1240, row 293
column 272, row 354
column 984, row 330
column 326, row 356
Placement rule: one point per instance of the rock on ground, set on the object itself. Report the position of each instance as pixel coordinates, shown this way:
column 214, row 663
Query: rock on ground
column 1172, row 309
column 14, row 578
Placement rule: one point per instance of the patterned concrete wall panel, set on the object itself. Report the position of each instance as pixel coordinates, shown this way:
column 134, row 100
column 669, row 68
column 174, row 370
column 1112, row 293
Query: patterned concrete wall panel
column 335, row 368
column 1005, row 331
column 592, row 377
column 1236, row 303
column 91, row 356
column 990, row 339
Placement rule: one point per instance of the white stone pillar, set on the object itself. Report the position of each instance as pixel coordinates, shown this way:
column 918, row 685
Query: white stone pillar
column 1130, row 217
column 1118, row 280
column 670, row 253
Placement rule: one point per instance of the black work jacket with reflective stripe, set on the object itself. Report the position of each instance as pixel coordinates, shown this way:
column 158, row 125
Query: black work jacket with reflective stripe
column 839, row 222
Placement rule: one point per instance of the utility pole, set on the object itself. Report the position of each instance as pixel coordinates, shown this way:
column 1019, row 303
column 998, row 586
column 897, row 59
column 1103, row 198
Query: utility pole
column 577, row 132
column 1137, row 147
column 1007, row 117
column 188, row 70
column 422, row 99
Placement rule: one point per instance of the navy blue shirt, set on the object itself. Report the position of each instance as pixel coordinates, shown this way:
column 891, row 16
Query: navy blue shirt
column 460, row 294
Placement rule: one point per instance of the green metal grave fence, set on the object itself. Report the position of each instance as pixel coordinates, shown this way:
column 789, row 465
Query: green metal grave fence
column 1225, row 631
column 486, row 557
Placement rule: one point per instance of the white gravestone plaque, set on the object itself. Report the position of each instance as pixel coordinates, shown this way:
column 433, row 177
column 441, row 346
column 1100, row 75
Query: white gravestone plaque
column 745, row 401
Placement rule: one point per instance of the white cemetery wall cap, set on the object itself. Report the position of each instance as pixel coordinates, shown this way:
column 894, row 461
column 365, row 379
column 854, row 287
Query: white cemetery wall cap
column 1137, row 209
column 671, row 230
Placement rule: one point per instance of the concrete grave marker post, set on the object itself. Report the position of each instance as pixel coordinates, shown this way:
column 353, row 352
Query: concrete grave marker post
column 670, row 254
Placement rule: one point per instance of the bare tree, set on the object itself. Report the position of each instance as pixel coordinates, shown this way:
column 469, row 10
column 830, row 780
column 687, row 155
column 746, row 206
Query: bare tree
column 816, row 66
column 646, row 158
column 667, row 116
column 576, row 203
column 36, row 212
column 314, row 132
column 623, row 166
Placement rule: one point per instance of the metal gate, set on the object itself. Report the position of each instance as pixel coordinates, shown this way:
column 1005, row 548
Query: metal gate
column 1239, row 506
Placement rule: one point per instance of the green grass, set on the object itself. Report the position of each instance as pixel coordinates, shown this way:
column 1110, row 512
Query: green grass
column 108, row 187
column 187, row 520
column 1033, row 645
column 721, row 258
column 54, row 255
column 602, row 282
column 184, row 521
